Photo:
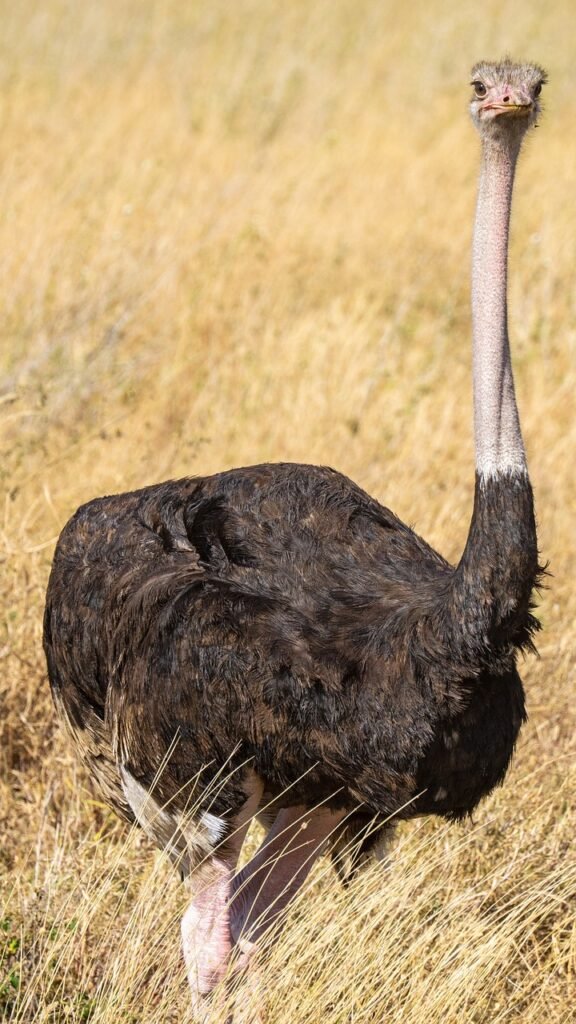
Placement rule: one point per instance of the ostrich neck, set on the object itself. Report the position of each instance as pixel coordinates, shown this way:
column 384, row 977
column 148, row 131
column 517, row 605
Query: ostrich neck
column 498, row 439
column 489, row 600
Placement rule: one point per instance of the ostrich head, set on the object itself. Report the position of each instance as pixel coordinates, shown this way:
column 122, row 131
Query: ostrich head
column 505, row 102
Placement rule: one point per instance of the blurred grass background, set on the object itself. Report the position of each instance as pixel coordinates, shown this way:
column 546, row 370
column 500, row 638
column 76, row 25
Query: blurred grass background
column 240, row 232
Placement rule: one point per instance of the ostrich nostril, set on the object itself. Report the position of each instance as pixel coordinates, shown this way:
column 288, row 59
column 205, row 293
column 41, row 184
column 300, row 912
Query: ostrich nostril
column 505, row 99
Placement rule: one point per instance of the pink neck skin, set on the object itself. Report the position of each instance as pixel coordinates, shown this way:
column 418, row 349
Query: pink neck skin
column 498, row 439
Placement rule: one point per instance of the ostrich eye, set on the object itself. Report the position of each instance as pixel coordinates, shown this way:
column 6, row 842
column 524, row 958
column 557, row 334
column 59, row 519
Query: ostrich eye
column 538, row 89
column 479, row 89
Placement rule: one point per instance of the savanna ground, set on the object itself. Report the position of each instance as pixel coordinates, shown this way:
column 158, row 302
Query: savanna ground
column 235, row 232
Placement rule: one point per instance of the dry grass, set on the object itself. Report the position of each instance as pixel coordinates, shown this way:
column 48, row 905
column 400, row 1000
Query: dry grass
column 234, row 232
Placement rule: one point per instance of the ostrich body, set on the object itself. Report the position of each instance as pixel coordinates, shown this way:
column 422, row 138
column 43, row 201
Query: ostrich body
column 272, row 637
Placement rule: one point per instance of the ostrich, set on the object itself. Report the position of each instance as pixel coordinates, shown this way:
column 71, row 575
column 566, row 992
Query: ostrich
column 271, row 640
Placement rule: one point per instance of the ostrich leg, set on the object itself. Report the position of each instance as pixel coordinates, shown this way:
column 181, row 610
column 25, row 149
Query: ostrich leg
column 206, row 937
column 231, row 912
column 207, row 941
column 265, row 886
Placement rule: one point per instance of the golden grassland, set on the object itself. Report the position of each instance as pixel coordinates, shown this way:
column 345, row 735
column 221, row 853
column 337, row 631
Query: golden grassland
column 235, row 232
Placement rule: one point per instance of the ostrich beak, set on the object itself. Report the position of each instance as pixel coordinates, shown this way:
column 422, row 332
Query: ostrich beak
column 518, row 109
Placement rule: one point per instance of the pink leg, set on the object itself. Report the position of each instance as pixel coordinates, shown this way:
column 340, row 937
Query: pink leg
column 265, row 886
column 206, row 939
column 230, row 913
column 206, row 934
